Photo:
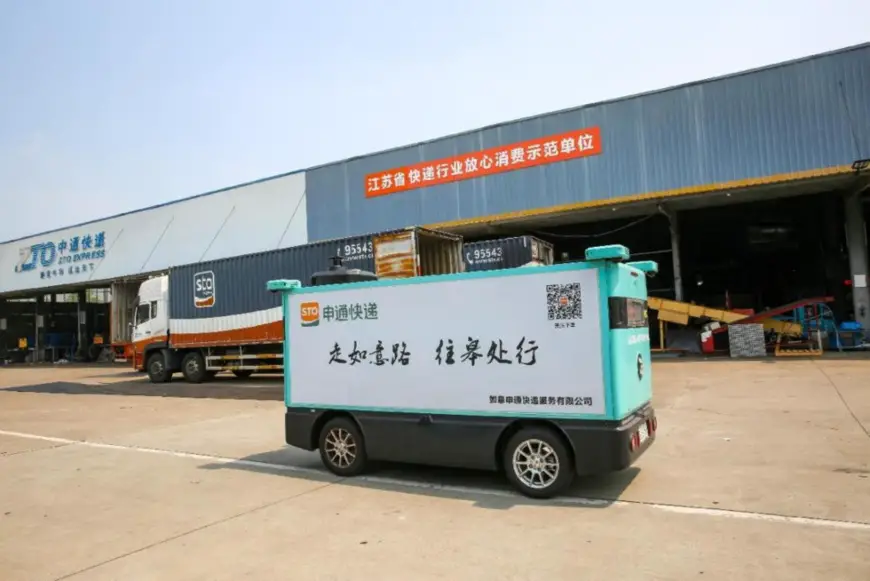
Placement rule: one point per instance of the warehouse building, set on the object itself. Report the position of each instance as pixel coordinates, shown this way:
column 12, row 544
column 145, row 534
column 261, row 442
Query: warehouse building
column 69, row 292
column 749, row 190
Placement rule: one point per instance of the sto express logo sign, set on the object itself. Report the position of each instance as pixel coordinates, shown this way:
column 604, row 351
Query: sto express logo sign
column 66, row 256
column 311, row 313
column 204, row 291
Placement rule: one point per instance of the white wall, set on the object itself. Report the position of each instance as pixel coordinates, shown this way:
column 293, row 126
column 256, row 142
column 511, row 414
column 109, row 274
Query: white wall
column 252, row 218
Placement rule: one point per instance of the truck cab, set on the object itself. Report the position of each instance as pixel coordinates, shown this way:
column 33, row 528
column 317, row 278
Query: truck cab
column 151, row 319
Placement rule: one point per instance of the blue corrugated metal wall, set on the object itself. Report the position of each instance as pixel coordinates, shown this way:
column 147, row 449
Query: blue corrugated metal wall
column 779, row 120
column 240, row 281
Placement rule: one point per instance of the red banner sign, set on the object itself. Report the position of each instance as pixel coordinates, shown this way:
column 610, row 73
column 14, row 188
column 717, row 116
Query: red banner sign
column 550, row 149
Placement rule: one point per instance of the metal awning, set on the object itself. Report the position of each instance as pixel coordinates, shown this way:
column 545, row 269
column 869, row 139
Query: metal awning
column 837, row 184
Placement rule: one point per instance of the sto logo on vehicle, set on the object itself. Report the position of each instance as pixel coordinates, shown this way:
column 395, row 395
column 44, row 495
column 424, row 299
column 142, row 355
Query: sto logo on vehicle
column 310, row 314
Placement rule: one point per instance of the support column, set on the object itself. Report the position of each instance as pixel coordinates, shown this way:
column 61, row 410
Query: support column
column 5, row 323
column 81, row 327
column 39, row 321
column 856, row 240
column 674, row 226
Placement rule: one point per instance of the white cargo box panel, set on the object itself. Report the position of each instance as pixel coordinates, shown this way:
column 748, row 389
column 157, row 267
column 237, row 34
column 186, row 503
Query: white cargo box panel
column 503, row 343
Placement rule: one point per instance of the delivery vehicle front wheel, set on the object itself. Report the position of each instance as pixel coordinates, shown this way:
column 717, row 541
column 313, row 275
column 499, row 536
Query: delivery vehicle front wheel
column 342, row 449
column 538, row 463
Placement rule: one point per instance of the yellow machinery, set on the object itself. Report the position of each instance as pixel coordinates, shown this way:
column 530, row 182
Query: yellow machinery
column 677, row 312
column 802, row 349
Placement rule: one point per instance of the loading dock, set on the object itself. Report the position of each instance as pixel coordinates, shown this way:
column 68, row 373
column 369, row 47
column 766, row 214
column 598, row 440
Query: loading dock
column 72, row 323
column 739, row 250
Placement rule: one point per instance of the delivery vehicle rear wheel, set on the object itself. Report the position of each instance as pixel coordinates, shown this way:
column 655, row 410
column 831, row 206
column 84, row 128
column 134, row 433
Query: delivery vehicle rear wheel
column 193, row 367
column 538, row 463
column 156, row 368
column 342, row 449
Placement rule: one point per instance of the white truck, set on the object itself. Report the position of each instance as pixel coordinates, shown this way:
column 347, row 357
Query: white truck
column 204, row 318
column 541, row 372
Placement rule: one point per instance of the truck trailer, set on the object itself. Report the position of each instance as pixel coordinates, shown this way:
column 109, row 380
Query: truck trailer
column 543, row 373
column 201, row 319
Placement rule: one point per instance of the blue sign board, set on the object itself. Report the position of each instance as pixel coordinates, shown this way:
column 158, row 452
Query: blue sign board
column 66, row 257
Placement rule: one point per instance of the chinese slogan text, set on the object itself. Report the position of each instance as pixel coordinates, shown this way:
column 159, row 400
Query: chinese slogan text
column 544, row 150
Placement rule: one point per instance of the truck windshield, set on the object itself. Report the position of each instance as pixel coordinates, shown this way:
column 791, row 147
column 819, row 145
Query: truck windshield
column 626, row 313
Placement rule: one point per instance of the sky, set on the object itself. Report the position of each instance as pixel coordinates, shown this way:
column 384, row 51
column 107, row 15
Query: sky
column 108, row 106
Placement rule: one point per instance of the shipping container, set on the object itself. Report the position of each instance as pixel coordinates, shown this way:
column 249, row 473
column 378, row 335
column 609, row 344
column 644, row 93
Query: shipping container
column 417, row 252
column 506, row 253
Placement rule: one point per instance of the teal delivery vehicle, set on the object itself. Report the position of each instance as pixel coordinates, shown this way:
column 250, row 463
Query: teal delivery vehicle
column 543, row 373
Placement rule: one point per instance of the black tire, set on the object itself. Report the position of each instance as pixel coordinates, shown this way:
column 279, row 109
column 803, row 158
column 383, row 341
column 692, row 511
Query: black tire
column 243, row 373
column 193, row 367
column 156, row 368
column 535, row 480
column 338, row 430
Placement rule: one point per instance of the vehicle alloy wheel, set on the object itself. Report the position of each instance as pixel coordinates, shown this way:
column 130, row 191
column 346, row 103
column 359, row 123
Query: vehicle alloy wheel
column 342, row 449
column 538, row 463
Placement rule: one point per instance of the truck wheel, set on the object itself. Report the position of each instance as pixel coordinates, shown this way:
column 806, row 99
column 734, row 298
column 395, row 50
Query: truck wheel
column 156, row 368
column 538, row 463
column 342, row 449
column 243, row 373
column 193, row 367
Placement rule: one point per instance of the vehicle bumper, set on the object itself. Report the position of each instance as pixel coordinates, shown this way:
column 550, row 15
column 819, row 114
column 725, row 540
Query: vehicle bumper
column 608, row 447
column 298, row 427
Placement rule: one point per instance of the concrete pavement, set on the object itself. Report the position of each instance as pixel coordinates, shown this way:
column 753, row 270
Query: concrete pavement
column 761, row 471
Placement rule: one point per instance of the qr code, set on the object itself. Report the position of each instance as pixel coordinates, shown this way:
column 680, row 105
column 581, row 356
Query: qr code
column 564, row 301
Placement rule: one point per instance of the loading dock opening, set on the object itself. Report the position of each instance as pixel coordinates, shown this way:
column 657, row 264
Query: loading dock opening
column 749, row 250
column 759, row 255
column 72, row 323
